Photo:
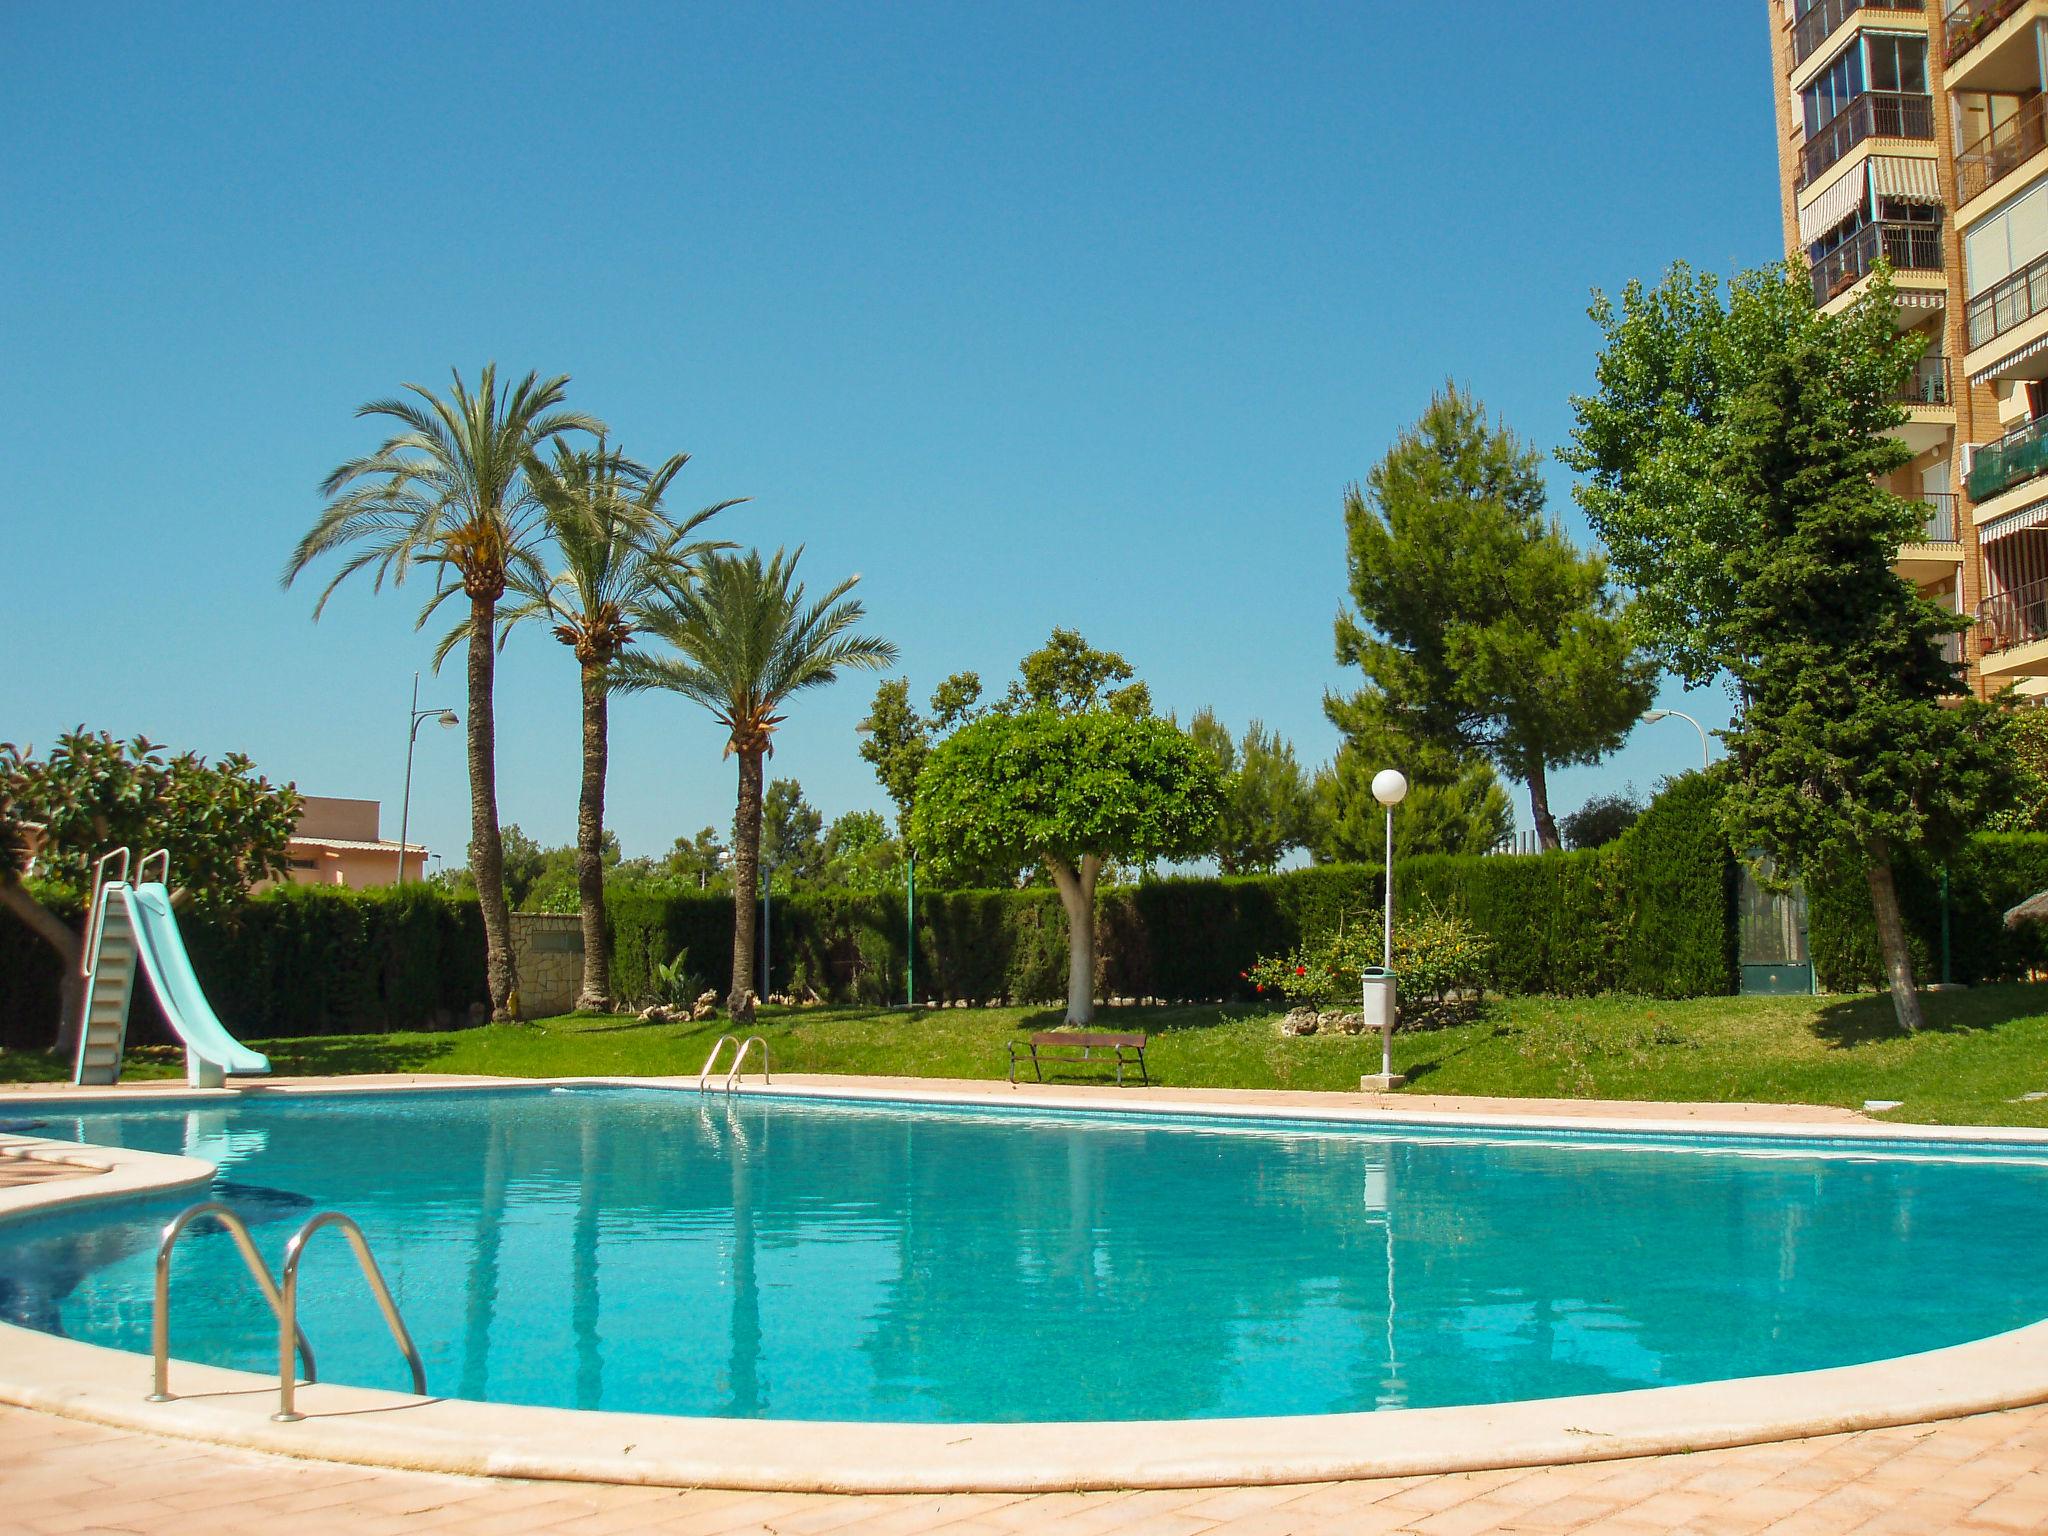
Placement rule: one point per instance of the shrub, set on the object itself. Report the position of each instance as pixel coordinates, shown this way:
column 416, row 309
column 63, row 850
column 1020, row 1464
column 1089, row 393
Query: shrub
column 1439, row 953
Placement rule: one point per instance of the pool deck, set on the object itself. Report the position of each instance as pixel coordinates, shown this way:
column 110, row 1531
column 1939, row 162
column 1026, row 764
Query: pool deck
column 1980, row 1472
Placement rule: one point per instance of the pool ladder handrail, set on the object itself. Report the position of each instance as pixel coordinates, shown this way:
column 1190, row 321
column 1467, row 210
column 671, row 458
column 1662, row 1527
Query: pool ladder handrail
column 739, row 1062
column 288, row 1316
column 160, row 1320
column 711, row 1061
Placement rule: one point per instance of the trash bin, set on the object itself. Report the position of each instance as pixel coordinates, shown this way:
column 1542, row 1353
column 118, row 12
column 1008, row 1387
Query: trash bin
column 1376, row 1004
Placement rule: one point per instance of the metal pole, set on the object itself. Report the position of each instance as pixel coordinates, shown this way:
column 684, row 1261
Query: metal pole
column 767, row 917
column 412, row 736
column 1387, row 950
column 910, row 955
column 1945, row 977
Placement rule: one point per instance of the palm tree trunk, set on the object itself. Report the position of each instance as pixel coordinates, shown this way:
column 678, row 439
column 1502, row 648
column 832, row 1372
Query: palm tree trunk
column 1891, row 936
column 486, row 848
column 597, row 956
column 746, row 870
column 1077, row 896
column 1539, row 809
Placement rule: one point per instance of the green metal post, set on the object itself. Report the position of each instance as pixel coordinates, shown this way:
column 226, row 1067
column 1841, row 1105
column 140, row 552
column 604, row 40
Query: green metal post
column 1945, row 977
column 910, row 954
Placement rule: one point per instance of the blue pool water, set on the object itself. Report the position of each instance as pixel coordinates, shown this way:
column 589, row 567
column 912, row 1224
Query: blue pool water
column 805, row 1259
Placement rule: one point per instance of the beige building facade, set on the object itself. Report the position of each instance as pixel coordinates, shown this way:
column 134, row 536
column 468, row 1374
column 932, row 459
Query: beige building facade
column 337, row 843
column 1911, row 132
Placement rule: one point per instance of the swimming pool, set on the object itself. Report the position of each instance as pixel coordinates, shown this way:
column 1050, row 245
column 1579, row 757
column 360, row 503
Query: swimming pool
column 808, row 1258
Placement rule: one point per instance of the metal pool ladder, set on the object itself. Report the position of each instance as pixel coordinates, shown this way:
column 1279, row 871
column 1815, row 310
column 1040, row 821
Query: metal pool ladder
column 711, row 1061
column 160, row 1319
column 288, row 1318
column 284, row 1301
column 739, row 1062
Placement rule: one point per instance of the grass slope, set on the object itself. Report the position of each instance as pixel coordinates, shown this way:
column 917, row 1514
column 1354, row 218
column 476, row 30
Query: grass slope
column 1982, row 1050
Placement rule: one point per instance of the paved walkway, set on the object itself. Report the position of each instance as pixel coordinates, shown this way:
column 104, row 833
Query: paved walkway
column 1981, row 1475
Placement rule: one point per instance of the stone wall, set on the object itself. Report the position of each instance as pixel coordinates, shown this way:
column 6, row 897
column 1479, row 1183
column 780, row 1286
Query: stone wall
column 548, row 949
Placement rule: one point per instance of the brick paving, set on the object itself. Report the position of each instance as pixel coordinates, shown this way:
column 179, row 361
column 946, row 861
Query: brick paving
column 1987, row 1474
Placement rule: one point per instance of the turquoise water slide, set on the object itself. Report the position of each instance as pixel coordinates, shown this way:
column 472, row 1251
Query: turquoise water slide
column 213, row 1050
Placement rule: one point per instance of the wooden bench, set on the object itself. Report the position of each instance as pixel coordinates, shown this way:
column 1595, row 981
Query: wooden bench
column 1075, row 1047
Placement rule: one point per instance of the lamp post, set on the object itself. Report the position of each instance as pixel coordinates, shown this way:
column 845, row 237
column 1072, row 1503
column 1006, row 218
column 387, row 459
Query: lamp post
column 447, row 717
column 1389, row 787
column 1651, row 717
column 767, row 918
column 910, row 906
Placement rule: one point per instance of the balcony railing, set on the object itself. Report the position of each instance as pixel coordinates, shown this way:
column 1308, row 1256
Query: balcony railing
column 1908, row 247
column 2003, row 149
column 1940, row 527
column 2018, row 617
column 2011, row 302
column 1817, row 22
column 1928, row 383
column 1967, row 23
column 2018, row 456
column 1873, row 115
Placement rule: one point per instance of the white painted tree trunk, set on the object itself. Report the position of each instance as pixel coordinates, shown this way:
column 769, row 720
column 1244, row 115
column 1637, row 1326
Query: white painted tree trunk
column 1077, row 895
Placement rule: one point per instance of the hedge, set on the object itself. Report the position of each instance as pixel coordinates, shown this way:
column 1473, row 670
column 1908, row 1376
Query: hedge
column 1992, row 872
column 299, row 960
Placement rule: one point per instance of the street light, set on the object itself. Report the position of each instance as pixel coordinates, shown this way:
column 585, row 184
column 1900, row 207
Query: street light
column 447, row 717
column 1651, row 717
column 1389, row 787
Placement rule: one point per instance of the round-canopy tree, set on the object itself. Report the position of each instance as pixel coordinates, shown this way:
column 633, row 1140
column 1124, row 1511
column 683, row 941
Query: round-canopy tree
column 1067, row 791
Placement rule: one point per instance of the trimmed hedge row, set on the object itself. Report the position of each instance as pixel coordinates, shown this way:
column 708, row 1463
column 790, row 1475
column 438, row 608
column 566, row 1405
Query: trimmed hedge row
column 1993, row 871
column 299, row 960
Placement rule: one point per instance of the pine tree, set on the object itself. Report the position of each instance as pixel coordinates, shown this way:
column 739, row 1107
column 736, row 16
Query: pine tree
column 1480, row 627
column 1844, row 753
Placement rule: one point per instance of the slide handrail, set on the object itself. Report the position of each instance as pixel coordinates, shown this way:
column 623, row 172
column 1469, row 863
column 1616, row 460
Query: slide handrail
column 160, row 1318
column 161, row 857
column 96, row 918
column 288, row 1317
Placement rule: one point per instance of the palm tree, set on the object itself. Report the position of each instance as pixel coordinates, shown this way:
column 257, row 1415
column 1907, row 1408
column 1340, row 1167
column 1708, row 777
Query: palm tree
column 745, row 641
column 449, row 489
column 619, row 552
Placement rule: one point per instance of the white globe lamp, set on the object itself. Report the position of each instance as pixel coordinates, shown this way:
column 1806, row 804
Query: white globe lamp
column 1390, row 788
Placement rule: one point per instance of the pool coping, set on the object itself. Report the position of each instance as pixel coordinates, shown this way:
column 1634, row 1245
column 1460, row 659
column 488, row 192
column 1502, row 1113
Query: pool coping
column 378, row 1428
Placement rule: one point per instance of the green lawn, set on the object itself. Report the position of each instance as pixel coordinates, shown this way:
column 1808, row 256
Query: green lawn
column 1982, row 1050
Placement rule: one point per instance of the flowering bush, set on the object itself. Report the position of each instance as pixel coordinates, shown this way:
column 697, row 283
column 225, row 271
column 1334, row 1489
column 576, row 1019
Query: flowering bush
column 1436, row 954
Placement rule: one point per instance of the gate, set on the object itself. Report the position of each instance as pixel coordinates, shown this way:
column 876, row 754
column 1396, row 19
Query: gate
column 1772, row 948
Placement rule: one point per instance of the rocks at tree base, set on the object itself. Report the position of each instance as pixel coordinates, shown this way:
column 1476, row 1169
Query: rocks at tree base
column 1306, row 1021
column 706, row 1007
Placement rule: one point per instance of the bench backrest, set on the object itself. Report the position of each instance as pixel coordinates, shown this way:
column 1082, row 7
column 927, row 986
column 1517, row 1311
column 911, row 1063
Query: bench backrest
column 1070, row 1038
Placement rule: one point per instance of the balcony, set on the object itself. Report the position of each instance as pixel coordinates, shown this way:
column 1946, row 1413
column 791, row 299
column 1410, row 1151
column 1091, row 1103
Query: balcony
column 2003, row 150
column 2008, row 620
column 2018, row 456
column 1928, row 383
column 1908, row 247
column 1873, row 115
column 1817, row 22
column 2011, row 302
column 1968, row 22
column 1940, row 527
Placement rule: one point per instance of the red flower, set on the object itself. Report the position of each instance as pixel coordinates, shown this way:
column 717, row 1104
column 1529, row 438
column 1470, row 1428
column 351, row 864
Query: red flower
column 1262, row 987
column 1301, row 970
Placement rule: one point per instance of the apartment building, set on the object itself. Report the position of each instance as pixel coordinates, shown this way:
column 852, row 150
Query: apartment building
column 1912, row 132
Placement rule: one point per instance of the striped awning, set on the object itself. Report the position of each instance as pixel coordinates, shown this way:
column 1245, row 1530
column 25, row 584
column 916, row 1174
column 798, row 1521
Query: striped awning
column 1836, row 202
column 1909, row 179
column 2018, row 355
column 2033, row 515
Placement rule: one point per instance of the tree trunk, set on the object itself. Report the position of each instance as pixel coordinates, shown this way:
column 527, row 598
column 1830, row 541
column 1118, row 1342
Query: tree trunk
column 56, row 933
column 1891, row 936
column 746, row 871
column 1539, row 809
column 597, row 957
column 1077, row 895
column 486, row 848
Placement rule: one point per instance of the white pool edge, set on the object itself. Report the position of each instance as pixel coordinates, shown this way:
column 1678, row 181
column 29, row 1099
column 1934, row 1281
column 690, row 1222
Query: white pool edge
column 375, row 1428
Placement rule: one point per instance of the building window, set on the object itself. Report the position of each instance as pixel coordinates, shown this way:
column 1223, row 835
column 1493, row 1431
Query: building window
column 1833, row 89
column 305, row 864
column 1877, row 61
column 1896, row 62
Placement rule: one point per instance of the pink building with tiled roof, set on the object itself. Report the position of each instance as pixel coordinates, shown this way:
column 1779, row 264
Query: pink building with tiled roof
column 337, row 843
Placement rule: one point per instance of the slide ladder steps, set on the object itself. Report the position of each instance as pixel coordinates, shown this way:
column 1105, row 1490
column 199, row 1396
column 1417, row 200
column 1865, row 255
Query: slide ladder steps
column 109, row 992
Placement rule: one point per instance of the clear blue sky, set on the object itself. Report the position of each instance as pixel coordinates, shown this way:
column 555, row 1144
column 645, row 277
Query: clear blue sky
column 1032, row 315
